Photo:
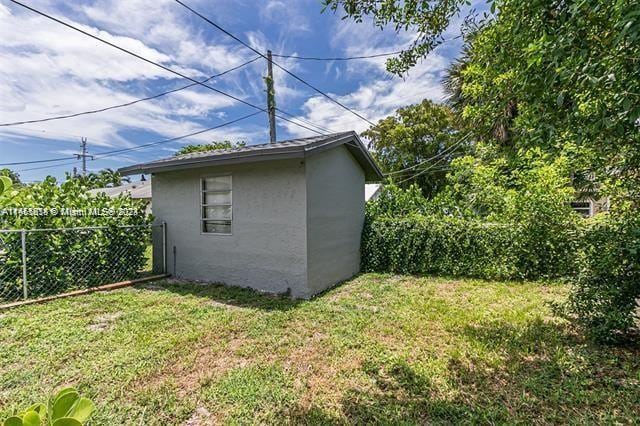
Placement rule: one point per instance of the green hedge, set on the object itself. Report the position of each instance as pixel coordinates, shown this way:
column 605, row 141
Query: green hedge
column 63, row 260
column 423, row 244
column 607, row 287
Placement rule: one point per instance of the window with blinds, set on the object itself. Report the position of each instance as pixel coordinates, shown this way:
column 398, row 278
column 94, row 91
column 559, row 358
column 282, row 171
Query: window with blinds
column 216, row 205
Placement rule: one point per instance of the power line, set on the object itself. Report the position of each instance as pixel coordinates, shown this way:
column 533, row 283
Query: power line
column 142, row 58
column 137, row 147
column 51, row 132
column 299, row 125
column 324, row 129
column 46, row 167
column 422, row 172
column 351, row 58
column 36, row 161
column 107, row 154
column 145, row 59
column 348, row 58
column 274, row 63
column 60, row 117
column 456, row 144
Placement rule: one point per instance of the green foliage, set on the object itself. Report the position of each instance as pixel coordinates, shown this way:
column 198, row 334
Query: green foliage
column 560, row 76
column 15, row 177
column 504, row 233
column 191, row 148
column 535, row 198
column 110, row 252
column 5, row 184
column 427, row 19
column 411, row 138
column 426, row 244
column 394, row 201
column 103, row 179
column 66, row 408
column 71, row 194
column 607, row 288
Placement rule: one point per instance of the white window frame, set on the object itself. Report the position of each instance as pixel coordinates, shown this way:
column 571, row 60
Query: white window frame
column 579, row 210
column 201, row 192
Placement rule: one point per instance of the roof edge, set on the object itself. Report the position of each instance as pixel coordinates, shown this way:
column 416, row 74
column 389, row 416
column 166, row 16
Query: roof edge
column 358, row 150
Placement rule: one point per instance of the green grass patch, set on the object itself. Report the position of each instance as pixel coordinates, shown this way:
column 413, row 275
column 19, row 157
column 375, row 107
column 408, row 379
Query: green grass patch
column 379, row 348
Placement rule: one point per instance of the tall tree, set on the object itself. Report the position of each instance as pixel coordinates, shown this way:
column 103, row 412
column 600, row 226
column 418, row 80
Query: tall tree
column 102, row 179
column 561, row 76
column 416, row 145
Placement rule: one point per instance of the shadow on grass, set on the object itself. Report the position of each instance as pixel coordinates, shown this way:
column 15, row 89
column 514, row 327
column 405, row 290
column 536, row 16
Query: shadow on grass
column 226, row 295
column 538, row 372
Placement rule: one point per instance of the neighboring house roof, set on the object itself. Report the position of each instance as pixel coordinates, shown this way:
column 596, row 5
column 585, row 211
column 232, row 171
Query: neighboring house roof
column 138, row 190
column 294, row 148
column 371, row 191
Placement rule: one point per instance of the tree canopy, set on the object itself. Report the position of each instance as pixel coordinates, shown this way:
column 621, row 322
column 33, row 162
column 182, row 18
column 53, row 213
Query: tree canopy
column 561, row 76
column 102, row 179
column 416, row 145
column 428, row 18
column 212, row 146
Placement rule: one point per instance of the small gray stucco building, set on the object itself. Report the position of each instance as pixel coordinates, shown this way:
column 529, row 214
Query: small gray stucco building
column 283, row 217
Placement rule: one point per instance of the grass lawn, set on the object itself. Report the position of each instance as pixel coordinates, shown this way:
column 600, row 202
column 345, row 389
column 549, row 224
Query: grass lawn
column 379, row 348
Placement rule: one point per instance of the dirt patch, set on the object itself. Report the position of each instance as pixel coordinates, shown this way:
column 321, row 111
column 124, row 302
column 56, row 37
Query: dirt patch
column 150, row 286
column 201, row 417
column 203, row 364
column 104, row 322
column 319, row 372
column 228, row 306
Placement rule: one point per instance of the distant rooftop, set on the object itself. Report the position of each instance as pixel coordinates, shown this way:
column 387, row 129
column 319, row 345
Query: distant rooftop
column 294, row 148
column 138, row 190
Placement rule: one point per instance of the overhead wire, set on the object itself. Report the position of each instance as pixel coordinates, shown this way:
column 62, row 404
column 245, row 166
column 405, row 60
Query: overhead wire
column 46, row 167
column 348, row 58
column 106, row 154
column 445, row 151
column 101, row 155
column 142, row 58
column 274, row 63
column 94, row 111
column 50, row 160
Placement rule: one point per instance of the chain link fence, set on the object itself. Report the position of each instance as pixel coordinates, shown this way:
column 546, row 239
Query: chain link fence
column 37, row 263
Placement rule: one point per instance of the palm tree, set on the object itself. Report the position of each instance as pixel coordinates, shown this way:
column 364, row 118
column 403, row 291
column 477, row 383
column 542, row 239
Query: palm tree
column 109, row 177
column 453, row 81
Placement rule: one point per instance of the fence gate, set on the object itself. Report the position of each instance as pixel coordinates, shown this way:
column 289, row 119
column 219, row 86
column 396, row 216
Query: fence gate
column 37, row 263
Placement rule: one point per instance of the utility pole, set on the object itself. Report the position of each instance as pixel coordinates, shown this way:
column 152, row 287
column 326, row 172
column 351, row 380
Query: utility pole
column 83, row 155
column 271, row 99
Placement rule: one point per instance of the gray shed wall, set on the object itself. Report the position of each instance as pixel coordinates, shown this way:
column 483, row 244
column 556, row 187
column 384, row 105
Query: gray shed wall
column 296, row 225
column 335, row 216
column 267, row 248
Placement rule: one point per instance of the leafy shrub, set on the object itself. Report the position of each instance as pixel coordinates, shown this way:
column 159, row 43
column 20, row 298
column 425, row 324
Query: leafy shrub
column 96, row 255
column 66, row 408
column 607, row 287
column 421, row 244
column 503, row 234
column 394, row 202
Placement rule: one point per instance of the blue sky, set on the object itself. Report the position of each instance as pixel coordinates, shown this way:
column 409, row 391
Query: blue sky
column 47, row 70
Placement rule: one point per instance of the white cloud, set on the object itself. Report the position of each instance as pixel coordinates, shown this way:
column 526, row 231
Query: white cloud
column 378, row 93
column 289, row 16
column 48, row 70
column 381, row 93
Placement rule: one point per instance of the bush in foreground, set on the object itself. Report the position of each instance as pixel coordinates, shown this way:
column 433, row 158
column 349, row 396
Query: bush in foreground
column 607, row 288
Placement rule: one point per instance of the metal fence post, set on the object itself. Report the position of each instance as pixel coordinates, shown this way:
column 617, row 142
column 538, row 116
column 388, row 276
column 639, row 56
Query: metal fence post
column 23, row 237
column 164, row 247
